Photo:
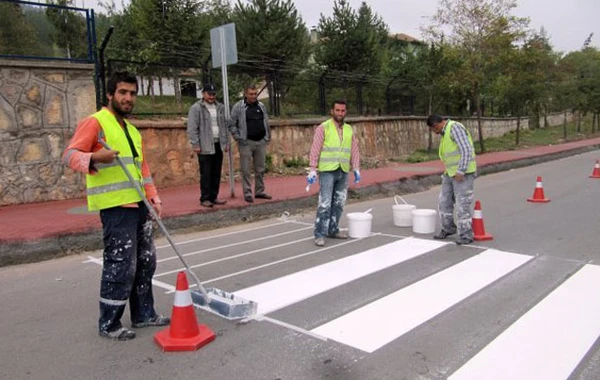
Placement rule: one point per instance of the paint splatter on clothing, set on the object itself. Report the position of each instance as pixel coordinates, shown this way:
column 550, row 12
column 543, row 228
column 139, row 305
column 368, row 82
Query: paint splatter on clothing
column 460, row 194
column 129, row 264
column 332, row 198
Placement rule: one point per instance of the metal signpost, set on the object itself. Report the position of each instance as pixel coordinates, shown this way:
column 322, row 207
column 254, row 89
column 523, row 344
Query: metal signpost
column 224, row 52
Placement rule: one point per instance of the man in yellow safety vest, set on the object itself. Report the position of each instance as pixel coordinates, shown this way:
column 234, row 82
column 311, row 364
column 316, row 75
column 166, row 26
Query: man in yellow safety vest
column 458, row 155
column 129, row 258
column 334, row 150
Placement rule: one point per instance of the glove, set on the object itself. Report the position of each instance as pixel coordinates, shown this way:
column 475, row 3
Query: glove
column 311, row 178
column 356, row 176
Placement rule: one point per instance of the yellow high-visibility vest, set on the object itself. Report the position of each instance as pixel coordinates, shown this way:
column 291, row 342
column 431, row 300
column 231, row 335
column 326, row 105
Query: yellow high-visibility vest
column 450, row 154
column 336, row 153
column 110, row 187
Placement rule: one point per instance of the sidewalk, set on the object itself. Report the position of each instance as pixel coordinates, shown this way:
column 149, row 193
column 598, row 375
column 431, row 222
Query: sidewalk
column 39, row 231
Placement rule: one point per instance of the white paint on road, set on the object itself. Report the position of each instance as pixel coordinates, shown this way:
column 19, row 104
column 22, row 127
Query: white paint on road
column 388, row 318
column 284, row 291
column 549, row 340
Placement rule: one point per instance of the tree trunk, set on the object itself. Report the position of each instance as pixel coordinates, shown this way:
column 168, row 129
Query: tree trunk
column 565, row 126
column 578, row 121
column 479, row 127
column 517, row 135
column 430, row 137
column 160, row 87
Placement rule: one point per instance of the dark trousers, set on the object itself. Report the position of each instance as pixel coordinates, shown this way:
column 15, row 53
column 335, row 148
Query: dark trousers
column 129, row 264
column 210, row 174
column 255, row 152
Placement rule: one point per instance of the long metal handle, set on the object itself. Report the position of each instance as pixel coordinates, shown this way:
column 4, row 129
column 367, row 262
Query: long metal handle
column 138, row 188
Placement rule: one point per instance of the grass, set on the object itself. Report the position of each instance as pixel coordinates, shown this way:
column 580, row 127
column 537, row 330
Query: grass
column 527, row 139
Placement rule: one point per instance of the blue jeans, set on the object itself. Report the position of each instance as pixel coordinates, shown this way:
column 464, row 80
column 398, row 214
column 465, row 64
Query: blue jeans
column 332, row 198
column 461, row 194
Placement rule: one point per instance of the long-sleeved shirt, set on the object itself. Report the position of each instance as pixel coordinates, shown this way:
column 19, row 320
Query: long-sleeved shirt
column 317, row 146
column 78, row 155
column 458, row 134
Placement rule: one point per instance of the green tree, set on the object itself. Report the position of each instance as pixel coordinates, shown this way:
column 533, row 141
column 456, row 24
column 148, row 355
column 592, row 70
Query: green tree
column 17, row 36
column 482, row 29
column 350, row 41
column 273, row 42
column 70, row 31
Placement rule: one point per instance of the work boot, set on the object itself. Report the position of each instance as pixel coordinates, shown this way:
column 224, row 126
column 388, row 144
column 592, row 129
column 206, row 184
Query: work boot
column 463, row 241
column 442, row 235
column 248, row 198
column 122, row 333
column 158, row 320
column 320, row 242
column 263, row 196
column 339, row 235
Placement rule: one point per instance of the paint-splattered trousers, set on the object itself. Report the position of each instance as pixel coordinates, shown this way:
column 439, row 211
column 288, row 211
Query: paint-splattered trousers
column 129, row 264
column 457, row 196
column 332, row 198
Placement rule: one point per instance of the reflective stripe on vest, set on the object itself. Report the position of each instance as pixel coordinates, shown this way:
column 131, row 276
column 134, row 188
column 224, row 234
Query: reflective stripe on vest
column 450, row 154
column 110, row 187
column 335, row 153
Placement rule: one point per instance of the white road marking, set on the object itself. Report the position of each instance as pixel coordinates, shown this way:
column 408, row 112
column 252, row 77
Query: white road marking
column 284, row 291
column 392, row 316
column 244, row 242
column 158, row 284
column 549, row 340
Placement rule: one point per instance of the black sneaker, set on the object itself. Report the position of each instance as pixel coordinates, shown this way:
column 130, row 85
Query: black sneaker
column 442, row 235
column 249, row 199
column 158, row 320
column 263, row 196
column 122, row 333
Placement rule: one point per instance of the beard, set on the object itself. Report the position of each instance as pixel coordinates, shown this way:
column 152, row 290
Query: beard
column 339, row 119
column 118, row 109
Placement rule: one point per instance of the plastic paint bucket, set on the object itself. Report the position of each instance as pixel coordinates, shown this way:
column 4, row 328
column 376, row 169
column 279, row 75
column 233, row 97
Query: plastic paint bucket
column 402, row 213
column 359, row 224
column 424, row 221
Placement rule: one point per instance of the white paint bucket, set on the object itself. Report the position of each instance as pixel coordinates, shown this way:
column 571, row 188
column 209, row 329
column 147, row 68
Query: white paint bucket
column 424, row 221
column 359, row 224
column 402, row 213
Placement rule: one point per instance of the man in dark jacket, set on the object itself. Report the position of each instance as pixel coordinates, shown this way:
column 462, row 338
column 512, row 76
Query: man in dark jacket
column 207, row 131
column 249, row 126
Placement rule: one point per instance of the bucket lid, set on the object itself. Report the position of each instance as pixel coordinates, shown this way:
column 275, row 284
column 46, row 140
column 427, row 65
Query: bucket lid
column 359, row 216
column 406, row 207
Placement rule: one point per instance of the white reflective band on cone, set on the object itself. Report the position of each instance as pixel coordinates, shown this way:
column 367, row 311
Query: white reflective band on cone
column 182, row 298
column 477, row 214
column 538, row 184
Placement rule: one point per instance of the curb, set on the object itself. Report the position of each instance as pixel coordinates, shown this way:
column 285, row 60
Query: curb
column 15, row 253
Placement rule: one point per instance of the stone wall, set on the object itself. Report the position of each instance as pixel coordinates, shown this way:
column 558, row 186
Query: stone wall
column 41, row 103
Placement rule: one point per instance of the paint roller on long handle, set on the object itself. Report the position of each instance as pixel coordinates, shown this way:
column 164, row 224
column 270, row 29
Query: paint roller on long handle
column 223, row 303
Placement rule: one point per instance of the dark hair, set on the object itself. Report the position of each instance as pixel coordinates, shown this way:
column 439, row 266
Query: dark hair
column 120, row 77
column 338, row 101
column 434, row 119
column 250, row 87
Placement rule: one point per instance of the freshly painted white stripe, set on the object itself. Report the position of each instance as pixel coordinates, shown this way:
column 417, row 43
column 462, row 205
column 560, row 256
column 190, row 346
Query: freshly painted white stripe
column 183, row 298
column 284, row 291
column 392, row 316
column 243, row 242
column 235, row 256
column 236, row 232
column 549, row 340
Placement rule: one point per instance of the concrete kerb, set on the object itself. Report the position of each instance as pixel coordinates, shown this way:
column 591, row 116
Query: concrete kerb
column 49, row 248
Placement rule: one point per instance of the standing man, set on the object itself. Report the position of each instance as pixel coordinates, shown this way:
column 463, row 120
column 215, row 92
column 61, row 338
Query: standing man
column 458, row 155
column 207, row 132
column 129, row 258
column 334, row 148
column 249, row 126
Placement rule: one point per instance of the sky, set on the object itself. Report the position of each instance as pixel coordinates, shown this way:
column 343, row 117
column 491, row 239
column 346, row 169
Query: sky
column 567, row 22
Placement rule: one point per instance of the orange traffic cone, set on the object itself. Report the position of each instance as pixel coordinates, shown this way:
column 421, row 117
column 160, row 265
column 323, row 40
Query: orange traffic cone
column 538, row 193
column 478, row 227
column 184, row 334
column 596, row 171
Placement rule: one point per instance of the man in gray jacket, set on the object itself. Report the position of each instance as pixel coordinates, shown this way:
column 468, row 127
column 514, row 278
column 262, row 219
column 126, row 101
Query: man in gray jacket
column 249, row 126
column 207, row 131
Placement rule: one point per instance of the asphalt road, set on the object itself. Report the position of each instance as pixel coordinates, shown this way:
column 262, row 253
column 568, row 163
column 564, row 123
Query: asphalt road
column 523, row 306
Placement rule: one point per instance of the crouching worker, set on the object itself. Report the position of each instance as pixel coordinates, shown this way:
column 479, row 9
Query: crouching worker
column 129, row 258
